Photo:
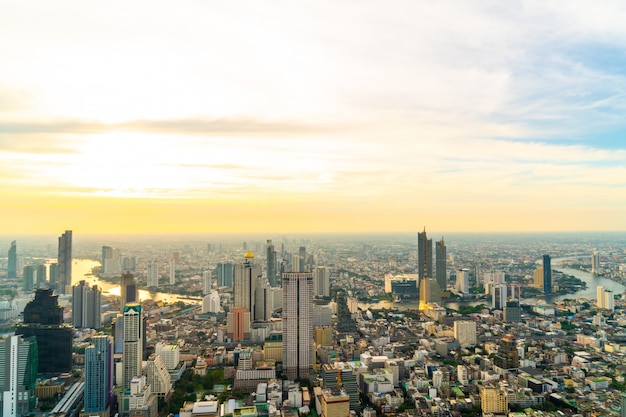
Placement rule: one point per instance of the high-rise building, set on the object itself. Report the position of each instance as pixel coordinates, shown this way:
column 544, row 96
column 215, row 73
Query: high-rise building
column 512, row 311
column 158, row 377
column 153, row 274
column 493, row 400
column 263, row 303
column 462, row 280
column 12, row 265
column 321, row 281
column 41, row 276
column 172, row 271
column 547, row 275
column 424, row 255
column 244, row 282
column 465, row 333
column 238, row 324
column 538, row 277
column 297, row 324
column 111, row 261
column 86, row 304
column 206, row 282
column 441, row 264
column 303, row 260
column 18, row 375
column 225, row 272
column 99, row 375
column 345, row 322
column 65, row 262
column 129, row 293
column 133, row 343
column 430, row 293
column 499, row 296
column 43, row 318
column 595, row 262
column 54, row 274
column 508, row 355
column 271, row 263
column 28, row 277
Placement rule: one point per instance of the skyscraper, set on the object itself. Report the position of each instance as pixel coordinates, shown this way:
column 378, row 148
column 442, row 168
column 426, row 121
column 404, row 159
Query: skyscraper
column 297, row 324
column 86, row 303
column 18, row 367
column 595, row 262
column 172, row 271
column 128, row 290
column 111, row 260
column 424, row 255
column 65, row 262
column 225, row 272
column 206, row 282
column 547, row 275
column 133, row 343
column 43, row 318
column 440, row 263
column 41, row 276
column 271, row 263
column 303, row 259
column 98, row 374
column 244, row 282
column 153, row 274
column 28, row 277
column 54, row 274
column 12, row 265
column 321, row 281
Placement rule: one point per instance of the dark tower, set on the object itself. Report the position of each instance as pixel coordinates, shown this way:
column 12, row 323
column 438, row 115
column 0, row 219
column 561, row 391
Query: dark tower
column 547, row 275
column 12, row 267
column 440, row 263
column 128, row 290
column 271, row 264
column 43, row 318
column 424, row 255
column 65, row 262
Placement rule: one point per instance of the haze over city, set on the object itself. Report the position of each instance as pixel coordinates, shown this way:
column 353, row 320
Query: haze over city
column 258, row 117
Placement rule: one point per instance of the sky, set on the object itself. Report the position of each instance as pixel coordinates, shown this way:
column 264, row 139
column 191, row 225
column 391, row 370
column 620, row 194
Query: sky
column 326, row 116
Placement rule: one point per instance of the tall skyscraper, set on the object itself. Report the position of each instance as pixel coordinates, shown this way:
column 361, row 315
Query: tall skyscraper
column 111, row 261
column 538, row 277
column 297, row 324
column 547, row 275
column 18, row 375
column 158, row 377
column 41, row 276
column 595, row 262
column 441, row 263
column 128, row 290
column 12, row 265
column 172, row 271
column 225, row 272
column 206, row 282
column 424, row 255
column 98, row 374
column 244, row 282
column 321, row 281
column 28, row 278
column 462, row 280
column 133, row 343
column 153, row 274
column 54, row 274
column 303, row 259
column 65, row 262
column 86, row 304
column 43, row 318
column 271, row 263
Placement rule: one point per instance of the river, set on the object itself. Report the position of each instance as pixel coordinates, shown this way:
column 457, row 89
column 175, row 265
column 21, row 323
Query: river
column 593, row 281
column 81, row 271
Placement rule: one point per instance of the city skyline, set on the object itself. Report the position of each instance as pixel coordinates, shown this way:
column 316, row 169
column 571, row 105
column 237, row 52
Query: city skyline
column 273, row 118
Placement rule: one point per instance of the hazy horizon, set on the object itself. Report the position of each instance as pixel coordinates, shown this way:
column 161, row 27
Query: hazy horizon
column 243, row 117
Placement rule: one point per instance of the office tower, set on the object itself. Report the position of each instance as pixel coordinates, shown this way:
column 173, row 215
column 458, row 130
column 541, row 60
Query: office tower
column 297, row 324
column 244, row 282
column 129, row 263
column 263, row 303
column 345, row 322
column 271, row 263
column 238, row 324
column 129, row 292
column 98, row 375
column 321, row 281
column 41, row 276
column 303, row 260
column 499, row 296
column 153, row 274
column 507, row 356
column 18, row 375
column 609, row 300
column 462, row 280
column 225, row 272
column 440, row 264
column 512, row 312
column 111, row 261
column 538, row 277
column 54, row 274
column 600, row 296
column 493, row 400
column 12, row 265
column 28, row 277
column 430, row 293
column 133, row 343
column 595, row 262
column 65, row 262
column 206, row 282
column 86, row 305
column 158, row 377
column 43, row 318
column 465, row 333
column 295, row 262
column 424, row 255
column 172, row 271
column 547, row 275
